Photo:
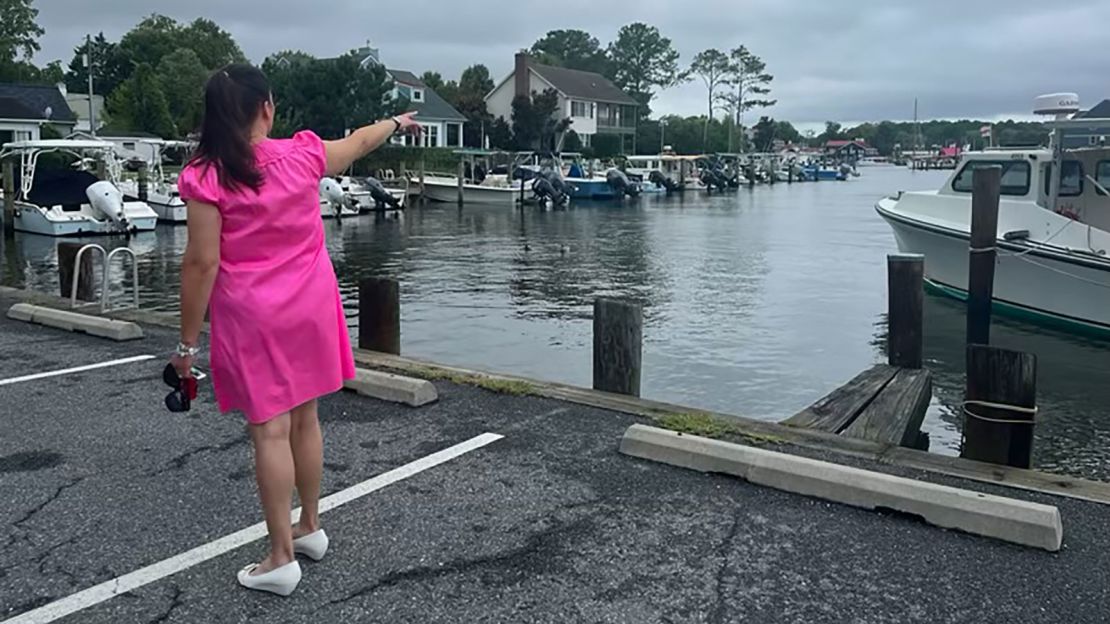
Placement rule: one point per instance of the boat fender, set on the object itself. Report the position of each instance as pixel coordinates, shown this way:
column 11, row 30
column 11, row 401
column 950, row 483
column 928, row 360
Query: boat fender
column 106, row 199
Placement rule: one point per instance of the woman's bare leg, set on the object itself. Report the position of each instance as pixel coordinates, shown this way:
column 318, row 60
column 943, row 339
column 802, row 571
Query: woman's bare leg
column 273, row 469
column 308, row 457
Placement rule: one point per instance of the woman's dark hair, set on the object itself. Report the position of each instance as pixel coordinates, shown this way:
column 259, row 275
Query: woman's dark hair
column 232, row 99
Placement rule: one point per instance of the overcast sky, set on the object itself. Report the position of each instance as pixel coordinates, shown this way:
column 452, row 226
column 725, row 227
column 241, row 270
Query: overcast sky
column 849, row 61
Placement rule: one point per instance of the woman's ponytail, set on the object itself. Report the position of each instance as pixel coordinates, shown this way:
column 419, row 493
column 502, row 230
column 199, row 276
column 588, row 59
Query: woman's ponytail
column 233, row 98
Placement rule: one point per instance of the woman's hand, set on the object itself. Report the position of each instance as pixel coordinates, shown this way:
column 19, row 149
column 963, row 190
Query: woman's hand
column 183, row 365
column 408, row 125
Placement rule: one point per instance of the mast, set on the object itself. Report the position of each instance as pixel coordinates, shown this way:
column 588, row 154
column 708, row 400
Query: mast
column 89, row 71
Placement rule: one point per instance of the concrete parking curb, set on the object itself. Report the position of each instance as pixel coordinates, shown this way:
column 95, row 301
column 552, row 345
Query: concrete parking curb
column 394, row 388
column 75, row 322
column 1020, row 522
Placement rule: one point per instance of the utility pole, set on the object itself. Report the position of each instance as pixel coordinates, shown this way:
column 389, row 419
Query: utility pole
column 89, row 71
column 662, row 134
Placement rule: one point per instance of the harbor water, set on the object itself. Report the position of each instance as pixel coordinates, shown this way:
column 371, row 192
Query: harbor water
column 756, row 302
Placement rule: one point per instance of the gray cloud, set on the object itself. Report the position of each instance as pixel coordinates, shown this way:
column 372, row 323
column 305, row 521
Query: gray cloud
column 858, row 60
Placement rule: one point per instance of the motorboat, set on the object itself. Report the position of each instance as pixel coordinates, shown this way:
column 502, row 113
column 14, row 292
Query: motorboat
column 1053, row 231
column 335, row 202
column 369, row 194
column 161, row 190
column 73, row 202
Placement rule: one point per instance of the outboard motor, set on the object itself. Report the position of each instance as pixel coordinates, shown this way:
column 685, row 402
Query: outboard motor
column 620, row 183
column 561, row 186
column 106, row 199
column 334, row 195
column 712, row 179
column 657, row 178
column 380, row 195
column 546, row 192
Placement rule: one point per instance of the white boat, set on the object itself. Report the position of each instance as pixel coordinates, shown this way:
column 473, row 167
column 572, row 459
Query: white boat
column 161, row 191
column 71, row 202
column 334, row 201
column 494, row 189
column 361, row 194
column 1053, row 234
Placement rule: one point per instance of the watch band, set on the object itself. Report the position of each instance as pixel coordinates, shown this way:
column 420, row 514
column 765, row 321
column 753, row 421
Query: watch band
column 184, row 350
column 396, row 125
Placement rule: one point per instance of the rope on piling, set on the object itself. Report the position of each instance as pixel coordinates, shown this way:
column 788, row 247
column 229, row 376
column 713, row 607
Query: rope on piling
column 1002, row 406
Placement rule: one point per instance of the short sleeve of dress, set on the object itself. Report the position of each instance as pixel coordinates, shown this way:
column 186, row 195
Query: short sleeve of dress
column 312, row 147
column 199, row 182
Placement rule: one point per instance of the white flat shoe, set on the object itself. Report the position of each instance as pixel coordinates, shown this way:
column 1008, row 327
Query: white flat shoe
column 281, row 581
column 313, row 545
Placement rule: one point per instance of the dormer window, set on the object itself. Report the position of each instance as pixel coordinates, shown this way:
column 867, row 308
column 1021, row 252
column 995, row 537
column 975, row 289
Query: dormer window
column 417, row 95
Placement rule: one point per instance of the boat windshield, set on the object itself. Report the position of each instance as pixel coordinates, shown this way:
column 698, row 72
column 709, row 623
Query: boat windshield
column 1015, row 176
column 1071, row 183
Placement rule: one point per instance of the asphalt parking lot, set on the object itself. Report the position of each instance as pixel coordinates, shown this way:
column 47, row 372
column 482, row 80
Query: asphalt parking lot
column 524, row 513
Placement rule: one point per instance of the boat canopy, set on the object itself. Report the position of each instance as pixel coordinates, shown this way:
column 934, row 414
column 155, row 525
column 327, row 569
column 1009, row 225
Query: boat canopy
column 56, row 144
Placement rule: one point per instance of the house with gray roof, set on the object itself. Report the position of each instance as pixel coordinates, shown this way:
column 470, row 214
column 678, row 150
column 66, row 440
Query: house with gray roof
column 593, row 103
column 442, row 124
column 25, row 109
column 1094, row 136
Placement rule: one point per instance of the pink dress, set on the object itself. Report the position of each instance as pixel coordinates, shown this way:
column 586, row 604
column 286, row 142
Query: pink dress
column 278, row 333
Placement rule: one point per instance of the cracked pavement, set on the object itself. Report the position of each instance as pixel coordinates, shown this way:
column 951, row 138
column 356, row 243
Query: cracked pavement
column 549, row 524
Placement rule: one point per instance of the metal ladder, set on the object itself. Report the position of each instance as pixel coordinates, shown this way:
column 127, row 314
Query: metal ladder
column 105, row 273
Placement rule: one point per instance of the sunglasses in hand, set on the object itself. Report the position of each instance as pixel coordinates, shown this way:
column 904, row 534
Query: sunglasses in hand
column 184, row 389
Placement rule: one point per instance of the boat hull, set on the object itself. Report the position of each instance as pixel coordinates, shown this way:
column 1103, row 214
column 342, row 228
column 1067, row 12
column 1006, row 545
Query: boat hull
column 56, row 222
column 1047, row 288
column 472, row 193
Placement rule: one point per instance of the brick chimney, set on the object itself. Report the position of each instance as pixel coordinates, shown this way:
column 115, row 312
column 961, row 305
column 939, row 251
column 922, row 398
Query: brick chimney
column 522, row 75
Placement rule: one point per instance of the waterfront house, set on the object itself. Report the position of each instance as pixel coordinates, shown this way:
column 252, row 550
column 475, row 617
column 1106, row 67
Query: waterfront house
column 846, row 151
column 26, row 109
column 442, row 124
column 594, row 105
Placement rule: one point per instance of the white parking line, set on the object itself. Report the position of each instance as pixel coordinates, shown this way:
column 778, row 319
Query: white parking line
column 77, row 369
column 167, row 567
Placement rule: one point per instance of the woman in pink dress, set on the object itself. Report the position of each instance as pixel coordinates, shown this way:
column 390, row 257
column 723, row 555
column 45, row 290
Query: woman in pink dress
column 256, row 261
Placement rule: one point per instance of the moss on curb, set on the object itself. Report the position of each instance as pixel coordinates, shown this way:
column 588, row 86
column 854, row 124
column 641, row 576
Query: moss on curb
column 707, row 426
column 493, row 384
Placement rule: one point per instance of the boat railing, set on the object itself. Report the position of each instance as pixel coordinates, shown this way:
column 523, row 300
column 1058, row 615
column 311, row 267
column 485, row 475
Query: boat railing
column 105, row 274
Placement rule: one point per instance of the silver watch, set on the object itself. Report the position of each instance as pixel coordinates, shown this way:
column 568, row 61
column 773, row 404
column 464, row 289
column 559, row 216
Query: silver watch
column 185, row 351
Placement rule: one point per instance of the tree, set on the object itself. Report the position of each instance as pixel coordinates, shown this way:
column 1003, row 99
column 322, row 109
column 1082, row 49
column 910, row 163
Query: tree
column 833, row 132
column 536, row 124
column 713, row 67
column 787, row 132
column 19, row 32
column 182, row 76
column 573, row 49
column 475, row 80
column 750, row 81
column 154, row 37
column 140, row 104
column 643, row 60
column 433, row 80
column 500, row 134
column 328, row 96
column 110, row 67
column 214, row 46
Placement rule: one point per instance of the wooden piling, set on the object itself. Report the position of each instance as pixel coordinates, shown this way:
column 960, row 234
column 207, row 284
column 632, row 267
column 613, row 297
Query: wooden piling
column 423, row 197
column 905, row 302
column 1000, row 407
column 67, row 256
column 618, row 338
column 461, row 181
column 984, row 233
column 9, row 198
column 144, row 182
column 379, row 315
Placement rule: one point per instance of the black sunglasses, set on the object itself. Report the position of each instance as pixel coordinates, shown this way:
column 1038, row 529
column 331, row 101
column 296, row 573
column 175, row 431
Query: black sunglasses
column 184, row 389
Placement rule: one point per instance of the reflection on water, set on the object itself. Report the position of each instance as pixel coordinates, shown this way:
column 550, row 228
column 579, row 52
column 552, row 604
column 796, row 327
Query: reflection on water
column 756, row 302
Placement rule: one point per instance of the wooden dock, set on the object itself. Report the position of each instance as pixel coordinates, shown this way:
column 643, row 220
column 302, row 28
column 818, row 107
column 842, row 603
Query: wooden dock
column 884, row 404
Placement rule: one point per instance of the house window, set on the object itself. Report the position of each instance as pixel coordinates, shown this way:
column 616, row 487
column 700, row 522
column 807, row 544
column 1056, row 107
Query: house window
column 1071, row 184
column 453, row 138
column 431, row 136
column 1015, row 176
column 580, row 109
column 129, row 145
column 417, row 95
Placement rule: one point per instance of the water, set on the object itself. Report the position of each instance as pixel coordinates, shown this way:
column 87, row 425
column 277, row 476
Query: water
column 756, row 303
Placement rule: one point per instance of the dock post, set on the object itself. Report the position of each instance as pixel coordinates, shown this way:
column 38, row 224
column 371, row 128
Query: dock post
column 618, row 339
column 423, row 197
column 9, row 198
column 144, row 182
column 461, row 181
column 905, row 302
column 982, row 252
column 1000, row 406
column 67, row 256
column 379, row 315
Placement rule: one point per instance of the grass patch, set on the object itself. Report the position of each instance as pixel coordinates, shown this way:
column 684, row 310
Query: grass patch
column 702, row 425
column 501, row 386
